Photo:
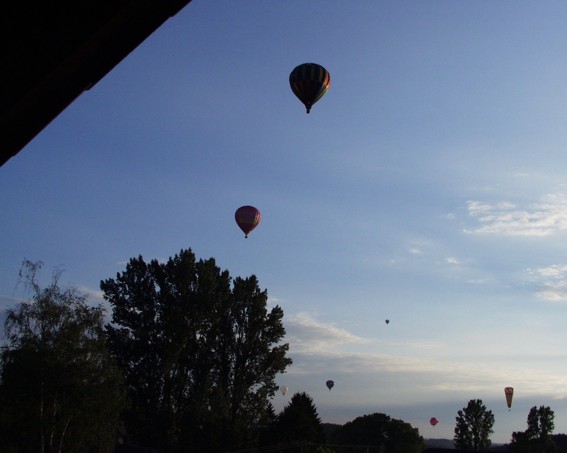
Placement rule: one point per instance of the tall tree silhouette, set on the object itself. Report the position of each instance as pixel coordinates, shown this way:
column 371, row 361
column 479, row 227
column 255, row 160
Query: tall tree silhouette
column 474, row 427
column 200, row 351
column 537, row 438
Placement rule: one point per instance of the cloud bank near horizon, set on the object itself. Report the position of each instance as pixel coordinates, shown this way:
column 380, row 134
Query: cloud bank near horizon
column 324, row 350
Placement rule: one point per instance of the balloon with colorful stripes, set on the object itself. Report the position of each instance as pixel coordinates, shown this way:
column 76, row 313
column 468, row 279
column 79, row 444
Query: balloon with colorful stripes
column 309, row 82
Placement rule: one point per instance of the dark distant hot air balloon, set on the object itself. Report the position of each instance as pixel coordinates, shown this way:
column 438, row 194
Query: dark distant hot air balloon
column 247, row 218
column 387, row 321
column 330, row 384
column 309, row 82
column 433, row 421
column 509, row 392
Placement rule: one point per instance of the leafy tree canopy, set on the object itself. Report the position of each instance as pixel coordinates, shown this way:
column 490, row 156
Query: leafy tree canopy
column 380, row 431
column 200, row 352
column 299, row 421
column 59, row 389
column 537, row 438
column 474, row 427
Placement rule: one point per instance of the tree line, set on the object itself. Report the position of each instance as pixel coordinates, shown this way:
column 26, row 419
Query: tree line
column 187, row 362
column 474, row 426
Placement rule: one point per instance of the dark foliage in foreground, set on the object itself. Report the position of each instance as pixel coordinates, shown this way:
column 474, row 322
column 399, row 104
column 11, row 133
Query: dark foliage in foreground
column 474, row 427
column 200, row 352
column 60, row 391
column 379, row 431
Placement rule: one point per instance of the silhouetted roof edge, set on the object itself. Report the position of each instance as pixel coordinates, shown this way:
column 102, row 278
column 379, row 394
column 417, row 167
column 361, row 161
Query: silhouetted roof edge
column 36, row 106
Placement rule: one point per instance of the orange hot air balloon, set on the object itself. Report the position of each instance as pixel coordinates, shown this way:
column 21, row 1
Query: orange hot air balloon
column 309, row 82
column 247, row 218
column 509, row 392
column 433, row 421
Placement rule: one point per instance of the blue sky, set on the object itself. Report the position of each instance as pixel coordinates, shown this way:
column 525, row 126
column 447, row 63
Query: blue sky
column 427, row 187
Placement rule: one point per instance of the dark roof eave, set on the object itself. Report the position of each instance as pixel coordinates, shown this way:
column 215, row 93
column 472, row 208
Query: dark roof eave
column 89, row 62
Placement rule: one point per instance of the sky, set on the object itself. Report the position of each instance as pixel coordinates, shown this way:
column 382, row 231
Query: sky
column 427, row 187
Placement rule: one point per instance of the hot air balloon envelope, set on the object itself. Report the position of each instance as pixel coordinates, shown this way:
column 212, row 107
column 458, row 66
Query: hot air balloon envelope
column 283, row 390
column 433, row 421
column 330, row 384
column 509, row 392
column 247, row 218
column 309, row 82
column 387, row 321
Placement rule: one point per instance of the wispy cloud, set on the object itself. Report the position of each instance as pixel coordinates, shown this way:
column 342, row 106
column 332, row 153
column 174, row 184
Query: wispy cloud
column 551, row 282
column 93, row 295
column 308, row 335
column 545, row 218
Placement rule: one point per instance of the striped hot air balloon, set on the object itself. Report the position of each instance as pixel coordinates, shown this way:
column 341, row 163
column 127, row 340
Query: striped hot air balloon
column 309, row 82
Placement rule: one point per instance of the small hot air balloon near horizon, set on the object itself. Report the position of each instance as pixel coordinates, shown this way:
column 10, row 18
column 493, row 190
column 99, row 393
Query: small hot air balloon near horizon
column 283, row 390
column 247, row 218
column 509, row 392
column 433, row 421
column 309, row 82
column 387, row 321
column 330, row 384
